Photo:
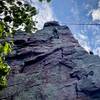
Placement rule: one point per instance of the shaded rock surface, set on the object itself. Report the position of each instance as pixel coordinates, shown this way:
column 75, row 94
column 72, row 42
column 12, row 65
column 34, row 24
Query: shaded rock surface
column 51, row 65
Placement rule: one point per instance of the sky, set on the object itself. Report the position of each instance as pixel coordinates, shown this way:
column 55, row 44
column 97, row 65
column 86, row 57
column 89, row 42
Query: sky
column 74, row 12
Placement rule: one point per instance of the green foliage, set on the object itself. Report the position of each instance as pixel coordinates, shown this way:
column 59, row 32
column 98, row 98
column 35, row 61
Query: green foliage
column 1, row 29
column 3, row 82
column 14, row 15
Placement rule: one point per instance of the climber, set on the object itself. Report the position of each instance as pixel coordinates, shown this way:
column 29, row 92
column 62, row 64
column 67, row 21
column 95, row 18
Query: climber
column 55, row 33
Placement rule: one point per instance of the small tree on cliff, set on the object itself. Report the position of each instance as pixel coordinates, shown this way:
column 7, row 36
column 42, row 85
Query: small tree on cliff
column 14, row 15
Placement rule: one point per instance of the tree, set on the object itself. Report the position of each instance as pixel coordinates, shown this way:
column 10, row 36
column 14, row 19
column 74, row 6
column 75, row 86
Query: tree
column 14, row 15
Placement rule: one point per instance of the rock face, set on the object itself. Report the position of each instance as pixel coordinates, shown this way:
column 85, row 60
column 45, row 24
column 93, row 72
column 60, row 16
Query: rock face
column 51, row 65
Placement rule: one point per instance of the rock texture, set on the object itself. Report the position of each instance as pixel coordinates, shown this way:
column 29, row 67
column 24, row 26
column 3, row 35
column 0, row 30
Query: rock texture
column 51, row 65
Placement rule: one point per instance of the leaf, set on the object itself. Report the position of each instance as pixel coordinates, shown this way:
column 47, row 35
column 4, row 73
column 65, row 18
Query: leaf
column 1, row 10
column 48, row 0
column 7, row 48
column 5, row 13
column 8, row 19
column 33, row 11
column 10, row 1
column 1, row 28
column 1, row 60
column 19, row 3
column 3, row 69
column 40, row 0
column 3, row 82
column 2, row 3
column 1, row 49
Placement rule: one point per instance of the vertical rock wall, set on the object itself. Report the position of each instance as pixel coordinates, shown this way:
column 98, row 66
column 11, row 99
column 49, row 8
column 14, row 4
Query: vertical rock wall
column 51, row 65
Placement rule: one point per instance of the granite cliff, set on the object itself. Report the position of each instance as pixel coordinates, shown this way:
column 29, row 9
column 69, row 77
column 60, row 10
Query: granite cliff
column 51, row 65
